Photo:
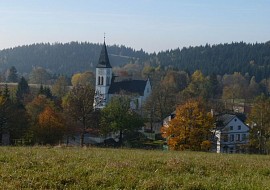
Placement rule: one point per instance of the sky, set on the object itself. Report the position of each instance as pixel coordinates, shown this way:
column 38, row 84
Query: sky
column 153, row 25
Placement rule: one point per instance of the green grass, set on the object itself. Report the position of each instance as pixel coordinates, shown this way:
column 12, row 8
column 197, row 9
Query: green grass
column 98, row 168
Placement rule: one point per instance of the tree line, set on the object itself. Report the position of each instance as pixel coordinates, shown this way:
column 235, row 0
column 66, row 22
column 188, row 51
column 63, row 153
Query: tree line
column 252, row 59
column 56, row 113
column 59, row 58
column 73, row 57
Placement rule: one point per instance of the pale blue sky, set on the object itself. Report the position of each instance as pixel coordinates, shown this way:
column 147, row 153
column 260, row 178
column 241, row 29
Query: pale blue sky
column 152, row 25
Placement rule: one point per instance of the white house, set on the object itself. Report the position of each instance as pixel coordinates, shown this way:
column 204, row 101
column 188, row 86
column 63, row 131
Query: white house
column 107, row 87
column 230, row 134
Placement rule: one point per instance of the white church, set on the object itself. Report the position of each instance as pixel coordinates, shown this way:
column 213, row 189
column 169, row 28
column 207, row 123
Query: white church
column 106, row 86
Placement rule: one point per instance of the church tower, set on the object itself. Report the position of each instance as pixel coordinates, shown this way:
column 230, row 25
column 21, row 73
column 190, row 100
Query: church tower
column 103, row 79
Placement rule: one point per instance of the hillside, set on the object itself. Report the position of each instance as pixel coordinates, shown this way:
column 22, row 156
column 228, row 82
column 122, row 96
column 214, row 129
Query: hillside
column 75, row 57
column 67, row 58
column 220, row 59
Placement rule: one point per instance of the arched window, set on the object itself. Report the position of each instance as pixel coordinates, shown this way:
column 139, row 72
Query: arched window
column 98, row 80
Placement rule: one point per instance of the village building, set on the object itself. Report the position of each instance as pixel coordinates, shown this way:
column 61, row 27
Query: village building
column 107, row 86
column 230, row 134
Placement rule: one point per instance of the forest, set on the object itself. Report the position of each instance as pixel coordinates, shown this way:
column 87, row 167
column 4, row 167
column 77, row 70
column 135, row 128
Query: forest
column 59, row 58
column 73, row 57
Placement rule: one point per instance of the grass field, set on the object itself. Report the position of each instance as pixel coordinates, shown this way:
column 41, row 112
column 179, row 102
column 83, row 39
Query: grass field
column 100, row 168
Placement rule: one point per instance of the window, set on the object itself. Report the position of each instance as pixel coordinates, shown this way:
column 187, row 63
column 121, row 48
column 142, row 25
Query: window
column 99, row 80
column 237, row 137
column 232, row 138
column 244, row 137
column 231, row 128
column 239, row 127
column 108, row 81
column 224, row 137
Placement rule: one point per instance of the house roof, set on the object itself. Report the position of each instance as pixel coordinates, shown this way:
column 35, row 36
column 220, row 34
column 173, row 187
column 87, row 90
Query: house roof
column 223, row 119
column 131, row 86
column 104, row 61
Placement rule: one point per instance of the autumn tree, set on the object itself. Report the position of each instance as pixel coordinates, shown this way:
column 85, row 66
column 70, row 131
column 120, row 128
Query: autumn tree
column 118, row 117
column 86, row 78
column 253, row 88
column 163, row 98
column 78, row 104
column 176, row 80
column 260, row 122
column 37, row 106
column 60, row 87
column 39, row 75
column 148, row 71
column 234, row 86
column 34, row 109
column 150, row 111
column 163, row 101
column 51, row 128
column 197, row 88
column 190, row 129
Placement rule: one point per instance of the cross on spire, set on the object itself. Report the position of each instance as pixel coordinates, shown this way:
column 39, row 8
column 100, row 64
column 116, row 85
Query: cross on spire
column 104, row 36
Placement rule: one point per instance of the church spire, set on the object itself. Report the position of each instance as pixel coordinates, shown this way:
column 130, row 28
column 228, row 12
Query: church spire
column 104, row 61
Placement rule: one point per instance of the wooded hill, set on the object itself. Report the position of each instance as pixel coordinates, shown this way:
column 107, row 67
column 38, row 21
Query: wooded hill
column 73, row 57
column 66, row 59
column 220, row 59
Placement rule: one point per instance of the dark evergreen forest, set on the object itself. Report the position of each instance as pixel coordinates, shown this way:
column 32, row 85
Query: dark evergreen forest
column 221, row 59
column 73, row 57
column 66, row 59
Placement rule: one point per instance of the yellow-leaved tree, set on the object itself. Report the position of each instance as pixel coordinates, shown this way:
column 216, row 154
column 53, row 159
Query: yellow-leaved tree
column 190, row 128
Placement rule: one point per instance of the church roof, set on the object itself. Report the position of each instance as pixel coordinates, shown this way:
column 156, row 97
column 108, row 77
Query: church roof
column 104, row 61
column 130, row 86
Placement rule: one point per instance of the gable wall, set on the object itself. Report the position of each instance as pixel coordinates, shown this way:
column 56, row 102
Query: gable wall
column 232, row 137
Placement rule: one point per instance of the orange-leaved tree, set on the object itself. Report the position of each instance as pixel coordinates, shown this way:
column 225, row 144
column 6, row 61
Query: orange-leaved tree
column 51, row 128
column 190, row 128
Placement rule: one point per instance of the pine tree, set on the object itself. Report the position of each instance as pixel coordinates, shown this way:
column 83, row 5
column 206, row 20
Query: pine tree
column 22, row 89
column 12, row 75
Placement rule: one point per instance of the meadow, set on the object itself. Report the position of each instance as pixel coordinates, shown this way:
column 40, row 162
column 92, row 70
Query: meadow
column 102, row 168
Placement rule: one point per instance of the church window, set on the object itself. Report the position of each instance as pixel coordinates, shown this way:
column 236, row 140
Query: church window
column 99, row 80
